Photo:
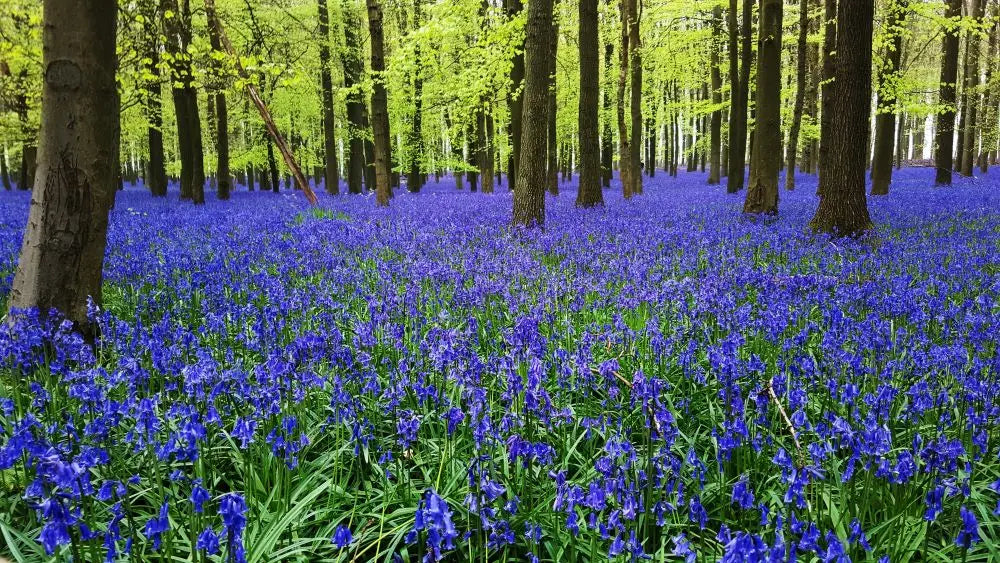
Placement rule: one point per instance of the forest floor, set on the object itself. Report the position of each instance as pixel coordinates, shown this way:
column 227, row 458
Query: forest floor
column 661, row 376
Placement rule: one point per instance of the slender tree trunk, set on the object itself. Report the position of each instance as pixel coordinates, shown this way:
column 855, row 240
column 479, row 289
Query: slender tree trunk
column 4, row 171
column 331, row 180
column 885, row 119
column 635, row 70
column 62, row 257
column 963, row 106
column 762, row 194
column 801, row 48
column 415, row 177
column 223, row 177
column 156, row 178
column 357, row 119
column 607, row 149
column 529, row 192
column 624, row 151
column 972, row 92
column 589, row 190
column 991, row 95
column 918, row 137
column 515, row 100
column 380, row 107
column 552, row 178
column 487, row 167
column 715, row 142
column 843, row 209
column 943, row 140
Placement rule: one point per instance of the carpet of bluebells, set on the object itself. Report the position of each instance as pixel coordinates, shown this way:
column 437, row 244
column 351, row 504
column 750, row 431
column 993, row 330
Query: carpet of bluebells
column 660, row 379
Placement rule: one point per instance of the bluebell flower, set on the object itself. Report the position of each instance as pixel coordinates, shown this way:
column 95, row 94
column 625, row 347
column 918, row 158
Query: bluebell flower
column 342, row 537
column 969, row 534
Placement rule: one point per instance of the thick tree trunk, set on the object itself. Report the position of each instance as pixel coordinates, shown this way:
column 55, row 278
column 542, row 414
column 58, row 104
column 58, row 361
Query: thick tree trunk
column 589, row 191
column 801, row 54
column 943, row 141
column 380, row 107
column 62, row 256
column 357, row 120
column 331, row 179
column 635, row 109
column 529, row 192
column 971, row 97
column 843, row 209
column 885, row 120
column 178, row 33
column 515, row 99
column 762, row 194
column 715, row 140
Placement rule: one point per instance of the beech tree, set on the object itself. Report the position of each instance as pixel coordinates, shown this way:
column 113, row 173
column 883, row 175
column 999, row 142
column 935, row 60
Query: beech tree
column 62, row 257
column 843, row 208
column 589, row 192
column 380, row 106
column 944, row 139
column 529, row 192
column 762, row 194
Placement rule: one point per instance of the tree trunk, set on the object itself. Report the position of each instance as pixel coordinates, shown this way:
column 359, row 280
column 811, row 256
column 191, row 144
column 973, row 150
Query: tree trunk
column 515, row 99
column 4, row 171
column 607, row 149
column 991, row 96
column 552, row 170
column 62, row 256
column 762, row 194
column 978, row 8
column 589, row 190
column 801, row 53
column 624, row 152
column 487, row 164
column 223, row 177
column 178, row 33
column 156, row 177
column 715, row 141
column 843, row 210
column 331, row 180
column 380, row 107
column 529, row 192
column 357, row 120
column 414, row 176
column 943, row 140
column 635, row 70
column 738, row 143
column 885, row 119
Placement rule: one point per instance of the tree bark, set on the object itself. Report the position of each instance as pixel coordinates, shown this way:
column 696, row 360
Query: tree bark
column 843, row 209
column 991, row 96
column 4, row 171
column 971, row 97
column 223, row 177
column 380, row 107
column 529, row 192
column 762, row 194
column 331, row 179
column 552, row 178
column 607, row 148
column 589, row 191
column 715, row 140
column 635, row 109
column 177, row 24
column 739, row 76
column 943, row 139
column 801, row 55
column 156, row 177
column 356, row 113
column 414, row 177
column 624, row 151
column 62, row 256
column 885, row 119
column 515, row 98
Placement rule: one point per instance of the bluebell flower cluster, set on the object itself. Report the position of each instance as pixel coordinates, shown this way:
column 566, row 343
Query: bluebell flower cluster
column 658, row 379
